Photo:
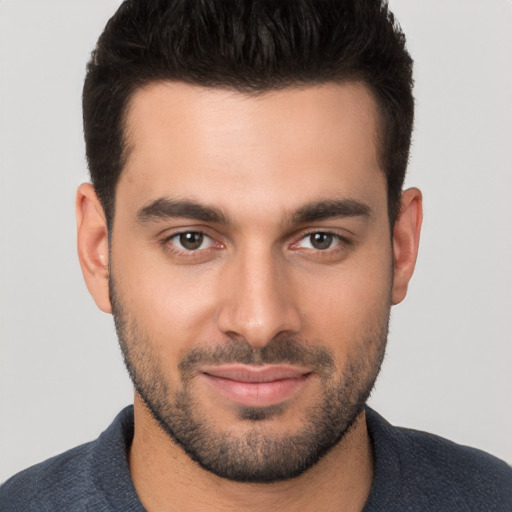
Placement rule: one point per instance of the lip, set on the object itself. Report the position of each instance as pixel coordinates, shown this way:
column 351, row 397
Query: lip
column 256, row 386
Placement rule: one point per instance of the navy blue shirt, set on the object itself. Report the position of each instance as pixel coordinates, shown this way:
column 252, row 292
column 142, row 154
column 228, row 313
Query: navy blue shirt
column 414, row 471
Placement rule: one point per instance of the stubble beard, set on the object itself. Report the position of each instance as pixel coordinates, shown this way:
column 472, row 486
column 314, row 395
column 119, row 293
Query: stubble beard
column 257, row 455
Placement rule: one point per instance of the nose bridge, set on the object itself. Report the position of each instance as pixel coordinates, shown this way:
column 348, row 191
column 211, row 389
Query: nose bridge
column 258, row 305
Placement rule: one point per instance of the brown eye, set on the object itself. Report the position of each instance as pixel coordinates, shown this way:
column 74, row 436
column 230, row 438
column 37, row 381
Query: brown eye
column 321, row 241
column 191, row 241
column 190, row 245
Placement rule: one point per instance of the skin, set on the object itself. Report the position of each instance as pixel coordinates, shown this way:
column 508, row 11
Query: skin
column 257, row 159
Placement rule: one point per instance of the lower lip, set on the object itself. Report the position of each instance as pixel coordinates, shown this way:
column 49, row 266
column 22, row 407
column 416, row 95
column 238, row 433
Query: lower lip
column 256, row 394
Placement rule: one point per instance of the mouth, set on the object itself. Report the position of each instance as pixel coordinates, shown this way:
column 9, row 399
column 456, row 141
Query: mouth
column 256, row 386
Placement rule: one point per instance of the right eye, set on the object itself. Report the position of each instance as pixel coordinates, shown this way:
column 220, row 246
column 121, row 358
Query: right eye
column 190, row 241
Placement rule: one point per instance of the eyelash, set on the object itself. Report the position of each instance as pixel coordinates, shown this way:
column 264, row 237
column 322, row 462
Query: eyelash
column 343, row 244
column 171, row 248
column 342, row 240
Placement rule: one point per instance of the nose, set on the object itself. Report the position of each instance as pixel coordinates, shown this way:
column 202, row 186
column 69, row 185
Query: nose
column 259, row 303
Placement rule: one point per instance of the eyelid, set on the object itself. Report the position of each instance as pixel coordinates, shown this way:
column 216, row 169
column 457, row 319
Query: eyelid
column 342, row 240
column 324, row 231
column 205, row 239
column 173, row 248
column 171, row 232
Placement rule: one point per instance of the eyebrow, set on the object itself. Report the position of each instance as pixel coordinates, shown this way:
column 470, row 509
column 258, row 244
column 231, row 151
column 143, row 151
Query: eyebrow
column 329, row 209
column 166, row 208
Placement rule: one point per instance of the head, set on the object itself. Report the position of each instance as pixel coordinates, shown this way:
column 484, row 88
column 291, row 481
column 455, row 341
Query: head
column 246, row 226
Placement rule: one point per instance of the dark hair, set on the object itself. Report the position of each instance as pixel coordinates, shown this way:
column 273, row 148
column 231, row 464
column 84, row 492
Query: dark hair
column 250, row 46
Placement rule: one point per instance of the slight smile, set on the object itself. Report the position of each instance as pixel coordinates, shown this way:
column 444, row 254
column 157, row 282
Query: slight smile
column 256, row 386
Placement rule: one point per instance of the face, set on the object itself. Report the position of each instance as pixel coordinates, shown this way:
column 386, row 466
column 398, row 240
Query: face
column 251, row 270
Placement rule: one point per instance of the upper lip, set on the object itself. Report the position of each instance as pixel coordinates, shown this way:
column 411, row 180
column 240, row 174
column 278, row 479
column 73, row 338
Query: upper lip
column 247, row 373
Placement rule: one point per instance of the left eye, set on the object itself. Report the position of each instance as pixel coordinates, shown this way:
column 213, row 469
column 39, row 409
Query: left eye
column 191, row 240
column 320, row 241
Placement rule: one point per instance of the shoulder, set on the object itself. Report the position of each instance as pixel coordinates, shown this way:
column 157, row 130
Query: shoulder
column 61, row 481
column 437, row 473
column 93, row 476
column 444, row 465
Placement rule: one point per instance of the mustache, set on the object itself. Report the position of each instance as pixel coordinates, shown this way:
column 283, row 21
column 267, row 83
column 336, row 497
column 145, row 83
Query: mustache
column 277, row 351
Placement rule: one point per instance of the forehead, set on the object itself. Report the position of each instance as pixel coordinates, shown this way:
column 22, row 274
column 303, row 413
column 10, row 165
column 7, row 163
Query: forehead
column 288, row 146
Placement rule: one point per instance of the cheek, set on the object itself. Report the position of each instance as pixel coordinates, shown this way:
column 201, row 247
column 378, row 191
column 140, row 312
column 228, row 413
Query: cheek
column 171, row 305
column 348, row 305
column 176, row 306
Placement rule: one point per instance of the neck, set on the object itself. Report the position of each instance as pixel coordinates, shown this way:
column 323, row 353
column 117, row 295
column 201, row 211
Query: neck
column 167, row 480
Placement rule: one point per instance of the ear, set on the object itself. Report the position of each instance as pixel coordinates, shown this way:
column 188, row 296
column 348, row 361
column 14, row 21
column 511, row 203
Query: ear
column 406, row 239
column 92, row 238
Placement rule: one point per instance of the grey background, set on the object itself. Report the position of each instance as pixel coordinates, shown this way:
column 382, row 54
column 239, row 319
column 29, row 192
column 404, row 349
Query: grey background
column 448, row 368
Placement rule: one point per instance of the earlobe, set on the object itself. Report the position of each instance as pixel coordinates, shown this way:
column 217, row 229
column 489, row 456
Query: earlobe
column 406, row 238
column 92, row 242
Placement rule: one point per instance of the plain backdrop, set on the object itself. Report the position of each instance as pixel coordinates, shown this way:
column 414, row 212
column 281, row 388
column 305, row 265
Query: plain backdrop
column 448, row 367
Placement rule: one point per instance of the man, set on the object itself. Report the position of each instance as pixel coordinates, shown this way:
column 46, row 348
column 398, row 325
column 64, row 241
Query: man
column 247, row 228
